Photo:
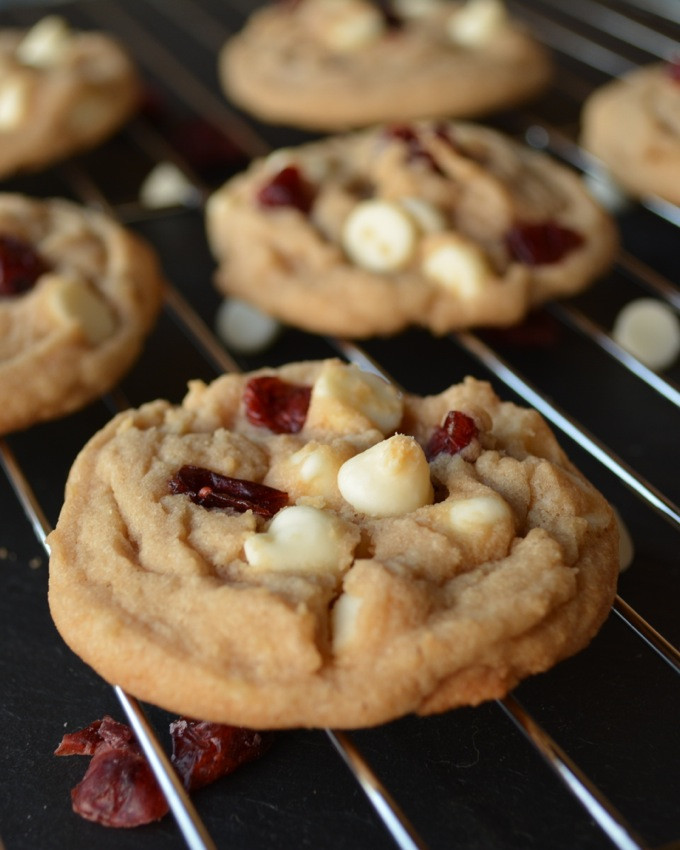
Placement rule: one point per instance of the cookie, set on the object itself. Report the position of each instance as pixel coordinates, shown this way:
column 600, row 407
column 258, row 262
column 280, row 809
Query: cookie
column 78, row 294
column 338, row 64
column 61, row 91
column 308, row 547
column 446, row 225
column 633, row 125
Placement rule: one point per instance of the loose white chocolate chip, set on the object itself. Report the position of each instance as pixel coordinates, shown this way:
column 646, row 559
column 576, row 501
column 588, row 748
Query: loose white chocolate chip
column 478, row 515
column 13, row 102
column 428, row 218
column 379, row 236
column 45, row 43
column 649, row 330
column 299, row 539
column 73, row 300
column 166, row 186
column 458, row 264
column 477, row 22
column 243, row 328
column 376, row 399
column 343, row 620
column 347, row 25
column 389, row 479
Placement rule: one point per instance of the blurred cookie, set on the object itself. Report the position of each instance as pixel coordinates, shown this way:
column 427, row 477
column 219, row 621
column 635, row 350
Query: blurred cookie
column 61, row 91
column 633, row 125
column 308, row 547
column 445, row 225
column 336, row 64
column 78, row 294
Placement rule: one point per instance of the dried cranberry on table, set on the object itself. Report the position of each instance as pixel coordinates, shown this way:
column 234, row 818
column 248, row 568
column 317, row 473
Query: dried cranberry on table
column 538, row 244
column 287, row 188
column 457, row 432
column 20, row 265
column 275, row 404
column 103, row 733
column 211, row 490
column 203, row 752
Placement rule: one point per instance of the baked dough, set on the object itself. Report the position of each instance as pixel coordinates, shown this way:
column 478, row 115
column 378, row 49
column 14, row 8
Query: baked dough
column 61, row 91
column 633, row 125
column 70, row 336
column 337, row 64
column 442, row 224
column 386, row 585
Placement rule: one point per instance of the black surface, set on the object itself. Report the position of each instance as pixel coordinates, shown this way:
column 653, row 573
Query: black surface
column 467, row 779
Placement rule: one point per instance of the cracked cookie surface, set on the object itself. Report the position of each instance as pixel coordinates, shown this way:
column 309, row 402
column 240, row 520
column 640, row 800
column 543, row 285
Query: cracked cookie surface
column 78, row 295
column 430, row 551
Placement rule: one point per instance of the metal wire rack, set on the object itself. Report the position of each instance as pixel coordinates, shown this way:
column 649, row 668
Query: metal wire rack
column 589, row 756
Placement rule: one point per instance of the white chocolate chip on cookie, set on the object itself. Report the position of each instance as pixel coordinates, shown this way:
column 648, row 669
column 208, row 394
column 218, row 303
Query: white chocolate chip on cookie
column 428, row 218
column 45, row 43
column 344, row 616
column 379, row 236
column 300, row 539
column 389, row 479
column 457, row 264
column 73, row 300
column 13, row 102
column 477, row 22
column 345, row 25
column 315, row 467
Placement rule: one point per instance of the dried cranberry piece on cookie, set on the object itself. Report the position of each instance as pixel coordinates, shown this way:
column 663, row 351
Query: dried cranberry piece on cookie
column 275, row 404
column 287, row 188
column 212, row 490
column 457, row 432
column 540, row 244
column 20, row 265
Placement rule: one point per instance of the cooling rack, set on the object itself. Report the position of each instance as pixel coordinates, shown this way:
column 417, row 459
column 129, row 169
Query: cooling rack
column 585, row 756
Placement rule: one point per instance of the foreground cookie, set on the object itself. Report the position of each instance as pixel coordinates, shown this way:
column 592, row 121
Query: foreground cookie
column 279, row 551
column 633, row 125
column 334, row 64
column 61, row 91
column 446, row 225
column 78, row 294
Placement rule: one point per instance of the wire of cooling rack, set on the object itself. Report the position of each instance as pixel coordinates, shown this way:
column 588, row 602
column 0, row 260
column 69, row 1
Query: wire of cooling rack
column 162, row 64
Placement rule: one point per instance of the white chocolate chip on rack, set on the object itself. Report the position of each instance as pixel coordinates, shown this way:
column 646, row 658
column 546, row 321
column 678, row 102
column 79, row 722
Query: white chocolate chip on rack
column 649, row 330
column 243, row 328
column 379, row 236
column 343, row 393
column 456, row 263
column 477, row 22
column 73, row 300
column 45, row 43
column 300, row 539
column 389, row 479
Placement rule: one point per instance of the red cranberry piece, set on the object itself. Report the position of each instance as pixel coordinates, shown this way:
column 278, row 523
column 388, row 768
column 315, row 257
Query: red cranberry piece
column 541, row 244
column 212, row 490
column 415, row 152
column 103, row 733
column 20, row 265
column 287, row 188
column 457, row 432
column 276, row 404
column 203, row 752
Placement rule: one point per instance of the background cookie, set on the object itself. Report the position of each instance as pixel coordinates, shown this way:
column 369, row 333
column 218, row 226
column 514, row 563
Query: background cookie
column 334, row 64
column 335, row 576
column 78, row 294
column 60, row 91
column 446, row 225
column 633, row 125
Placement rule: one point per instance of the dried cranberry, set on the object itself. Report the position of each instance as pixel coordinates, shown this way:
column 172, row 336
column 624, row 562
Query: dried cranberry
column 103, row 733
column 453, row 436
column 541, row 244
column 203, row 752
column 287, row 188
column 212, row 490
column 20, row 265
column 276, row 404
column 415, row 152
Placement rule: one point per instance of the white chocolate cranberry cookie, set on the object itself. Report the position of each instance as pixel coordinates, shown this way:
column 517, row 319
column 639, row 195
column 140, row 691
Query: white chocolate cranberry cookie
column 633, row 125
column 61, row 91
column 335, row 64
column 308, row 547
column 446, row 225
column 78, row 294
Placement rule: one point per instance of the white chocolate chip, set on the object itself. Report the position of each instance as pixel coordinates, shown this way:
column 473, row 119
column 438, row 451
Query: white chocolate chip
column 300, row 539
column 389, row 479
column 243, row 328
column 626, row 547
column 45, row 43
column 456, row 263
column 316, row 468
column 347, row 25
column 649, row 330
column 379, row 236
column 13, row 102
column 477, row 22
column 348, row 387
column 428, row 218
column 166, row 186
column 344, row 617
column 73, row 300
column 477, row 515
